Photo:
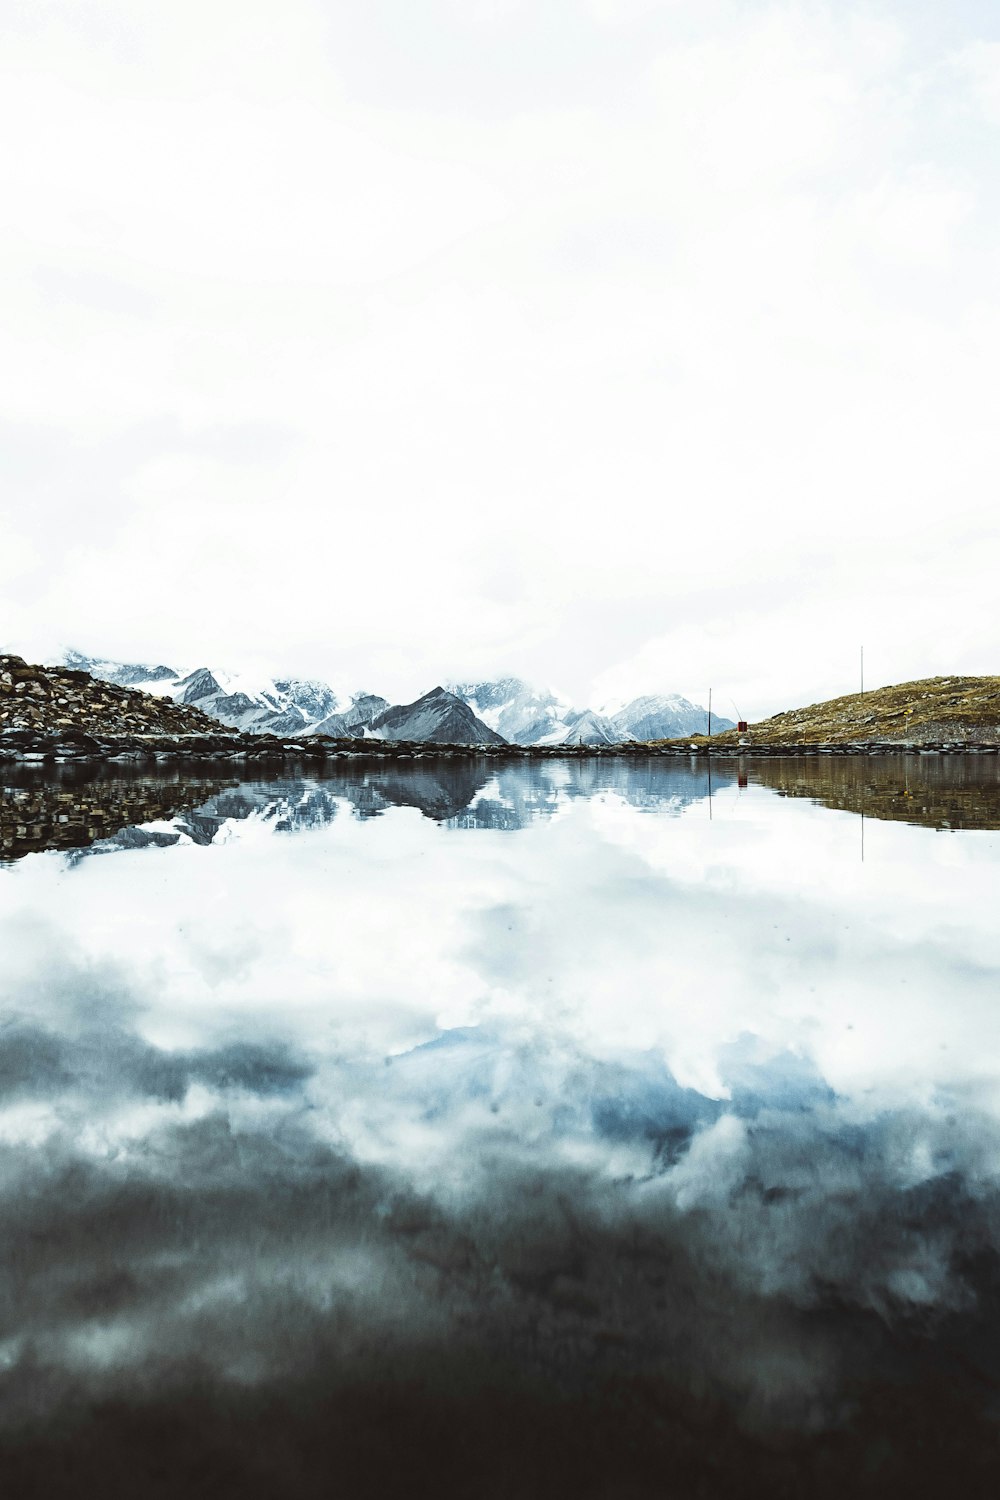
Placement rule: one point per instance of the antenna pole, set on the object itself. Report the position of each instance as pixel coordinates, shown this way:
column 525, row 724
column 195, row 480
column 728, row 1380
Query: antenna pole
column 710, row 713
column 862, row 674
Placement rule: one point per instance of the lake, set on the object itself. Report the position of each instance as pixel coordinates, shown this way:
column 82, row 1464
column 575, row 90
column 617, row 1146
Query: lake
column 610, row 1129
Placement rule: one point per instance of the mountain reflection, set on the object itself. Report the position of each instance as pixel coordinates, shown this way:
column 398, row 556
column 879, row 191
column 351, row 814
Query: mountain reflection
column 520, row 794
column 77, row 808
column 82, row 808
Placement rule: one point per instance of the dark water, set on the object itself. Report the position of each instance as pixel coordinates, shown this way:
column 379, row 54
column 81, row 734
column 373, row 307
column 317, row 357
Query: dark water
column 589, row 1129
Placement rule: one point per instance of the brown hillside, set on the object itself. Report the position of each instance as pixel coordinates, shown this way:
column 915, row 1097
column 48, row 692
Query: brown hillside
column 932, row 709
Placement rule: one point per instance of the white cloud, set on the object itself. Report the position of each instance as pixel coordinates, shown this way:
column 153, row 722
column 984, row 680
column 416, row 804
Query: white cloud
column 978, row 67
column 673, row 354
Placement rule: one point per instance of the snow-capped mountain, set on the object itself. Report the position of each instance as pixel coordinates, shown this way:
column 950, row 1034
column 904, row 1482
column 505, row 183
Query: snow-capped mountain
column 438, row 717
column 521, row 713
column 663, row 716
column 529, row 715
column 507, row 709
column 287, row 705
column 355, row 720
column 585, row 727
column 140, row 675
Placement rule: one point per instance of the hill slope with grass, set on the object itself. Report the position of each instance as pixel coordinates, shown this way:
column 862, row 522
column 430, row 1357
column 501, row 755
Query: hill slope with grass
column 934, row 709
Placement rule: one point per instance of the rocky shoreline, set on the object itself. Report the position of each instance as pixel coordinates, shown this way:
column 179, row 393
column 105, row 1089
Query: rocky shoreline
column 34, row 747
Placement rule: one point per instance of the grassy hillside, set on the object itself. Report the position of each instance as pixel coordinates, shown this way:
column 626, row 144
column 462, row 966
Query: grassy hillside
column 935, row 708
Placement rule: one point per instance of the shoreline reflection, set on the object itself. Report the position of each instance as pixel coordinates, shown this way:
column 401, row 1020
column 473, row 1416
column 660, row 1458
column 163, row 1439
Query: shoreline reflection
column 42, row 811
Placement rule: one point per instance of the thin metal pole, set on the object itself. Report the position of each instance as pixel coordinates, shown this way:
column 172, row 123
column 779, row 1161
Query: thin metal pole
column 710, row 713
column 862, row 674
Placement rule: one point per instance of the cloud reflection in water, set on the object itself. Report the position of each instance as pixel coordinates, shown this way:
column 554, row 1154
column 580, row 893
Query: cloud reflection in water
column 519, row 1164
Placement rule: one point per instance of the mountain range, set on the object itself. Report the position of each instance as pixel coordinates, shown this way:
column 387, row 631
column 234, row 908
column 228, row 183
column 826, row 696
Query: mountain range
column 283, row 706
column 479, row 713
column 526, row 715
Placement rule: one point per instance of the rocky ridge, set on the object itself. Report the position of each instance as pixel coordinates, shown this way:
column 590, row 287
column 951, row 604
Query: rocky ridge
column 64, row 701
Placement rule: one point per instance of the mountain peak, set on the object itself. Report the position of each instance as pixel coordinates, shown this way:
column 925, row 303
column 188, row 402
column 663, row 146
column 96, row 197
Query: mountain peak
column 663, row 716
column 438, row 717
column 519, row 711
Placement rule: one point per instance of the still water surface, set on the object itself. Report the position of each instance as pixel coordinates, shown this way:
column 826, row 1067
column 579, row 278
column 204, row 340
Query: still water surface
column 586, row 1129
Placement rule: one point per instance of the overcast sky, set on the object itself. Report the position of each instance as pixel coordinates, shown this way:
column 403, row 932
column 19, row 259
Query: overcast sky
column 627, row 345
